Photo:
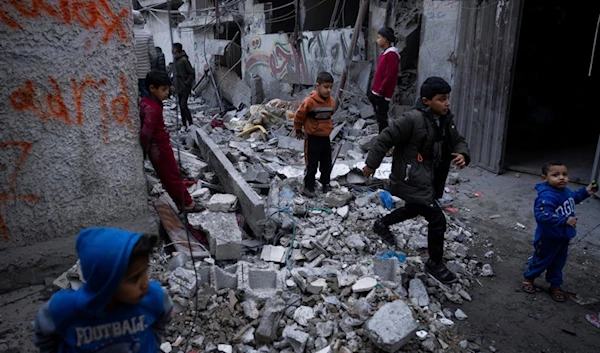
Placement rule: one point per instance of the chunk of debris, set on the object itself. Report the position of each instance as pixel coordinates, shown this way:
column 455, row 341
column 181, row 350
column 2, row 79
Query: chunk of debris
column 392, row 326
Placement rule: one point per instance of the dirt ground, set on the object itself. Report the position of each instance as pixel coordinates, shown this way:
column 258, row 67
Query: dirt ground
column 500, row 315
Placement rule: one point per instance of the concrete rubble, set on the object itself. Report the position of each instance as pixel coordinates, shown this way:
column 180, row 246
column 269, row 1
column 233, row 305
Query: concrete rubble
column 317, row 279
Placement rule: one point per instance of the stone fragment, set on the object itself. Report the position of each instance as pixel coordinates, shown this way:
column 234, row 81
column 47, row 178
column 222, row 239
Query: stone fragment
column 392, row 326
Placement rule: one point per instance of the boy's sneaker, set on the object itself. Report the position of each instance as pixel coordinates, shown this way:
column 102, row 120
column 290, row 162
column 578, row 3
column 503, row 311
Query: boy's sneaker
column 326, row 189
column 309, row 192
column 384, row 232
column 440, row 272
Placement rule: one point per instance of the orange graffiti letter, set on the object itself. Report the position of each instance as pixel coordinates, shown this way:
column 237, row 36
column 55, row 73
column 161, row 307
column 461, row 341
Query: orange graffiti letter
column 115, row 24
column 36, row 5
column 66, row 10
column 24, row 99
column 56, row 103
column 122, row 101
column 87, row 14
column 7, row 20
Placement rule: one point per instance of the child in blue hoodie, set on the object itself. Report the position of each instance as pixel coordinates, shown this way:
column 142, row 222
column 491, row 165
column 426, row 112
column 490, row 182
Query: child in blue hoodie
column 117, row 310
column 554, row 211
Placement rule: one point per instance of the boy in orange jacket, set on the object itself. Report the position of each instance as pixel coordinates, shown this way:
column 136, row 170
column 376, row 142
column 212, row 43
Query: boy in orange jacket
column 314, row 115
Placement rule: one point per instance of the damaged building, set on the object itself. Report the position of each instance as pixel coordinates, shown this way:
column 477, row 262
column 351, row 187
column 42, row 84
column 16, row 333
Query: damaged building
column 277, row 47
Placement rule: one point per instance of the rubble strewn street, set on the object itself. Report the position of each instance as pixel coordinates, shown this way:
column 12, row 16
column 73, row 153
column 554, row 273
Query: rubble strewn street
column 322, row 281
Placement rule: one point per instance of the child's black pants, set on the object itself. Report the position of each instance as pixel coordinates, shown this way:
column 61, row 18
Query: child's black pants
column 318, row 156
column 435, row 230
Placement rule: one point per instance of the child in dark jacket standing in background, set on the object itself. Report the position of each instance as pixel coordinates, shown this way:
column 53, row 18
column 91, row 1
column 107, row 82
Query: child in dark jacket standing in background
column 386, row 76
column 314, row 115
column 554, row 211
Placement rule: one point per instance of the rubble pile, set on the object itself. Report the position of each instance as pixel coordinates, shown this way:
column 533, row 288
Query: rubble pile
column 318, row 279
column 329, row 285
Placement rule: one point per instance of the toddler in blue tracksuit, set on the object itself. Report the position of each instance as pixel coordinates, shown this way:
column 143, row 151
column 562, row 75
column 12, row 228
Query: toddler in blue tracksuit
column 554, row 211
column 117, row 310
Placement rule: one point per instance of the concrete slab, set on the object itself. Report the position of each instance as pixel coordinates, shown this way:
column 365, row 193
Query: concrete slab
column 252, row 205
column 224, row 235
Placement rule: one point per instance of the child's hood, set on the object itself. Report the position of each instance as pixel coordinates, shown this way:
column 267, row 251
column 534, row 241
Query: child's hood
column 104, row 257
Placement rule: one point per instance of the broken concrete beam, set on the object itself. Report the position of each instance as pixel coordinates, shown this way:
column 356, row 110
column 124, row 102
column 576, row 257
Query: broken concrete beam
column 392, row 326
column 251, row 204
column 232, row 87
column 224, row 235
column 222, row 203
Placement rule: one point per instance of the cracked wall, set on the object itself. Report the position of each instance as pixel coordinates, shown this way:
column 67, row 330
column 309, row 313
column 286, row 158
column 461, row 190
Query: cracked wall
column 69, row 151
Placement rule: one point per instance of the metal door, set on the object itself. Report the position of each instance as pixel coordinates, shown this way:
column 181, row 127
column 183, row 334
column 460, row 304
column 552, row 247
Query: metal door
column 487, row 43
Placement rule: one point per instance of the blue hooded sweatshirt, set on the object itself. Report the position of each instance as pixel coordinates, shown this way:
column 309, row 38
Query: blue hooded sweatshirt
column 77, row 321
column 552, row 209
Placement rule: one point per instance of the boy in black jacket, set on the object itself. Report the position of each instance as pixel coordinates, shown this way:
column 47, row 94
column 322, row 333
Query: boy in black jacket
column 426, row 142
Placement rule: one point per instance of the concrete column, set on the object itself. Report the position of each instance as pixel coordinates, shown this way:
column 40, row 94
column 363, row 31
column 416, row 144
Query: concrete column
column 69, row 151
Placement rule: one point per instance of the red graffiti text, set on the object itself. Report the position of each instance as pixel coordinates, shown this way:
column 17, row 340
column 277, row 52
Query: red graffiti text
column 88, row 14
column 48, row 102
column 9, row 194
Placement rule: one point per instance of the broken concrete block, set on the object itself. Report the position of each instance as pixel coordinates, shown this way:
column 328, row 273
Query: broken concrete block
column 355, row 241
column 224, row 235
column 317, row 286
column 272, row 253
column 222, row 203
column 387, row 270
column 338, row 200
column 183, row 282
column 225, row 277
column 259, row 283
column 392, row 326
column 303, row 314
column 267, row 327
column 250, row 309
column 296, row 338
column 290, row 143
column 367, row 111
column 255, row 173
column 364, row 285
column 417, row 292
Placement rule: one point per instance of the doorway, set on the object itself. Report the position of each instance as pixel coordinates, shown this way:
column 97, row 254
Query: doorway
column 555, row 105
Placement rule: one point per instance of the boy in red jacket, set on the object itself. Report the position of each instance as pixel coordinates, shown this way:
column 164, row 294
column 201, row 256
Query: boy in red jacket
column 386, row 76
column 314, row 114
column 156, row 145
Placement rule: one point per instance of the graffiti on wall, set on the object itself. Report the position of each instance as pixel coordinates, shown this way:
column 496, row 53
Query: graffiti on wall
column 318, row 51
column 47, row 101
column 89, row 14
column 10, row 194
column 56, row 100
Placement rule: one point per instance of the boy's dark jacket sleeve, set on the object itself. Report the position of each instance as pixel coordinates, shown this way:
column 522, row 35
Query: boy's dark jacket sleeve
column 398, row 133
column 458, row 142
